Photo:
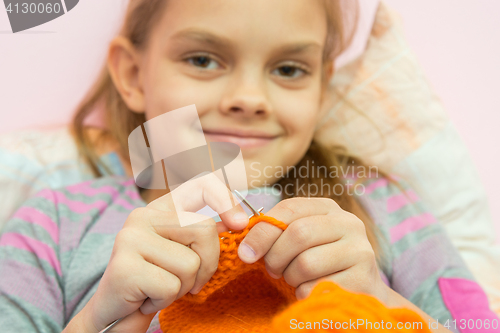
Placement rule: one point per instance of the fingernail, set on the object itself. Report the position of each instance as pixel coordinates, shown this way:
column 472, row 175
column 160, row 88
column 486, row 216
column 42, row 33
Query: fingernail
column 246, row 251
column 240, row 218
column 195, row 291
column 274, row 276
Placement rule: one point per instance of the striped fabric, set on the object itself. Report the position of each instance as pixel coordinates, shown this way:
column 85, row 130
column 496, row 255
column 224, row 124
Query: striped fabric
column 33, row 160
column 55, row 249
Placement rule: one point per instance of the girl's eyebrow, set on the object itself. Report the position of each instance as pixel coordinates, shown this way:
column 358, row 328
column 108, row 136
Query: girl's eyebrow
column 205, row 37
column 202, row 36
column 301, row 47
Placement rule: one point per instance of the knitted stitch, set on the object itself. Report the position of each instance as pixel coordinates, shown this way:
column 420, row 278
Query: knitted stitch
column 243, row 297
column 238, row 297
column 230, row 265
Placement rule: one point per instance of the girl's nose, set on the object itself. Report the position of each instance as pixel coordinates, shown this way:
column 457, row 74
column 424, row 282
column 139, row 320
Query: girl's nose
column 246, row 99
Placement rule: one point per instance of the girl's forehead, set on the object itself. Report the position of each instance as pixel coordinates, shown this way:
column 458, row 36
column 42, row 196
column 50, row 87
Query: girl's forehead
column 229, row 23
column 206, row 37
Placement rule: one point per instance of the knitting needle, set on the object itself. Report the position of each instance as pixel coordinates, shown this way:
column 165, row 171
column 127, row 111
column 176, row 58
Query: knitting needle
column 254, row 212
column 111, row 326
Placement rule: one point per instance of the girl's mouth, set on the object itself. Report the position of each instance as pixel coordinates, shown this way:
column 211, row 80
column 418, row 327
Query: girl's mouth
column 243, row 138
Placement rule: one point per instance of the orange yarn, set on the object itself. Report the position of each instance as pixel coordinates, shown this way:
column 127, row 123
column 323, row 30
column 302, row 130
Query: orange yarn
column 244, row 298
column 335, row 309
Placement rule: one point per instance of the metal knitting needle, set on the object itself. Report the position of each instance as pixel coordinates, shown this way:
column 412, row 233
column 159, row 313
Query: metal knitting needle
column 111, row 325
column 254, row 212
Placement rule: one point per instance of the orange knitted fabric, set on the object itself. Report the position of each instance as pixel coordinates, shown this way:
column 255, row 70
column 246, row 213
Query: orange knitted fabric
column 335, row 309
column 244, row 298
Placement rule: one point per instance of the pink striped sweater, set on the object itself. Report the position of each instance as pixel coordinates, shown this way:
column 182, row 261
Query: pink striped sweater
column 55, row 249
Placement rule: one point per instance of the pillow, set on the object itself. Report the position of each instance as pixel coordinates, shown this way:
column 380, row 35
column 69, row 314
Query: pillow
column 366, row 15
column 383, row 110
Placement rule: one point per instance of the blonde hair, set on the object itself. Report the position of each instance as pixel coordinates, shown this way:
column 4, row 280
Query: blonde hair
column 119, row 120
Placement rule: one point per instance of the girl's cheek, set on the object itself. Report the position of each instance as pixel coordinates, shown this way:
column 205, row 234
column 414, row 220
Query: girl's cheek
column 164, row 97
column 177, row 90
column 298, row 122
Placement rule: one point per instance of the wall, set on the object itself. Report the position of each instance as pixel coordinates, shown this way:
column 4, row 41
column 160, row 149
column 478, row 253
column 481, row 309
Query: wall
column 50, row 67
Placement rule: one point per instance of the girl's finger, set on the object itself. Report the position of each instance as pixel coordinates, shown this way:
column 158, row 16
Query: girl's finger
column 221, row 227
column 304, row 289
column 301, row 235
column 200, row 192
column 136, row 322
column 177, row 259
column 348, row 279
column 202, row 239
column 293, row 209
column 261, row 238
column 321, row 261
column 159, row 286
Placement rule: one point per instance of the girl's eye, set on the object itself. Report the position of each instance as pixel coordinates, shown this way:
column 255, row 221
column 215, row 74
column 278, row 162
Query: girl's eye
column 202, row 61
column 290, row 71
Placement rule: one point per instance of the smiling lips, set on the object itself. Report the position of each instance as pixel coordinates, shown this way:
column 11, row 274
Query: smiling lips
column 243, row 138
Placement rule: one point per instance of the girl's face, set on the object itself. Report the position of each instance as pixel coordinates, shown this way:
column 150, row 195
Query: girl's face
column 252, row 68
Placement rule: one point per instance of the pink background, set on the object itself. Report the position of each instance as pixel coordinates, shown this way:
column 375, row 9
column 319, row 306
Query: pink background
column 46, row 70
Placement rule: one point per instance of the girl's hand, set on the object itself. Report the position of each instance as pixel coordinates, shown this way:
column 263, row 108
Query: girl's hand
column 322, row 241
column 155, row 261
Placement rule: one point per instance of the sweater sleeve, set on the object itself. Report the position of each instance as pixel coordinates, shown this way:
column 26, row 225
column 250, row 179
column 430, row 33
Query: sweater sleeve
column 421, row 263
column 31, row 282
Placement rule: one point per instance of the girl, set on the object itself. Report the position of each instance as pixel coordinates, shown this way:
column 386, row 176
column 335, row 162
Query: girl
column 78, row 258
